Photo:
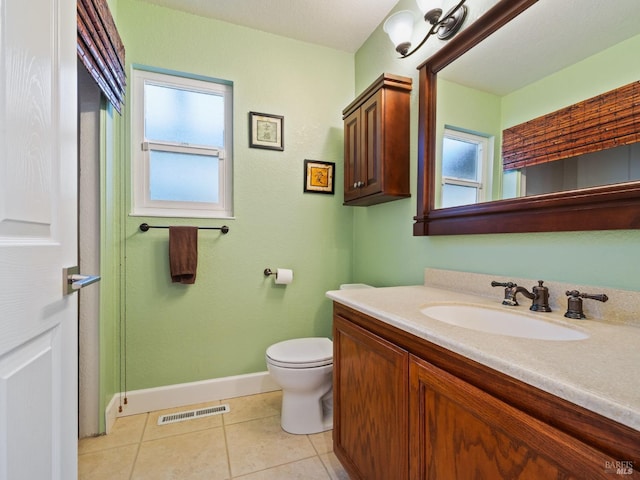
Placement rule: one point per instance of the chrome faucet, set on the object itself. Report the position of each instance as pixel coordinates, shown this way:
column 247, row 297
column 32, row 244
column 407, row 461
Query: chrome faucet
column 540, row 295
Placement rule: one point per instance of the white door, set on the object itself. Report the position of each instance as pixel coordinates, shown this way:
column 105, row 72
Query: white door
column 38, row 238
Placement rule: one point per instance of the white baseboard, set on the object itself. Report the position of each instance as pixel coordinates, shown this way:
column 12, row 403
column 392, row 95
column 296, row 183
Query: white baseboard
column 171, row 396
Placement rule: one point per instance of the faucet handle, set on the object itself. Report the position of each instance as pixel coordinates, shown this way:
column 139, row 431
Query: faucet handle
column 509, row 292
column 574, row 302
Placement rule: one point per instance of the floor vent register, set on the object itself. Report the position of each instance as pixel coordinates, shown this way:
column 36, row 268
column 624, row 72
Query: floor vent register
column 193, row 414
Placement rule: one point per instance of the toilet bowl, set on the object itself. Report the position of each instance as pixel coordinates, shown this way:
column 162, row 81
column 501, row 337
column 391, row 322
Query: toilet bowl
column 303, row 368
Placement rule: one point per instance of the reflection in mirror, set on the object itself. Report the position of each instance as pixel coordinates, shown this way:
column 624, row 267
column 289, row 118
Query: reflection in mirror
column 607, row 167
column 478, row 95
column 522, row 60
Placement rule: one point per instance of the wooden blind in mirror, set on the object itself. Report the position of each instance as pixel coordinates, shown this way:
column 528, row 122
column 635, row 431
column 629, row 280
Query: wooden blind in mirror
column 608, row 120
column 101, row 49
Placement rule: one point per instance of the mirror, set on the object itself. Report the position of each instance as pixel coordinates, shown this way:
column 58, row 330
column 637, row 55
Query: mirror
column 469, row 62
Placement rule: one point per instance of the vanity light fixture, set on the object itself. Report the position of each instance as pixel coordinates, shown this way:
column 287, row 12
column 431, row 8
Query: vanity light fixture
column 399, row 26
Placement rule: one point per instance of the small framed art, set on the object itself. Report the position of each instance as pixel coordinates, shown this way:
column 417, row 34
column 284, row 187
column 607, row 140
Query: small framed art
column 318, row 176
column 266, row 131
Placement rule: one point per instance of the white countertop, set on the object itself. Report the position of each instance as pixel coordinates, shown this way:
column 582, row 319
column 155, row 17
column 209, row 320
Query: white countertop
column 600, row 373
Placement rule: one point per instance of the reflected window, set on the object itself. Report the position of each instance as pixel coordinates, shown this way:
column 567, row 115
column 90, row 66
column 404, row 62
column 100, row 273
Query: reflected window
column 465, row 168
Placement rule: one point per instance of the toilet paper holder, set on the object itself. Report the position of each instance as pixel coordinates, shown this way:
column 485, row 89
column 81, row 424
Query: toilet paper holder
column 284, row 276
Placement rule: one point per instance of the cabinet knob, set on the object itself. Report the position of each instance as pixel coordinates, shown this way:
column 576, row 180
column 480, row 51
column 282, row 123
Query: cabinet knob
column 355, row 185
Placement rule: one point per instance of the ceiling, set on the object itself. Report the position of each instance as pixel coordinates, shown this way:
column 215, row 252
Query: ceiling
column 339, row 24
column 549, row 36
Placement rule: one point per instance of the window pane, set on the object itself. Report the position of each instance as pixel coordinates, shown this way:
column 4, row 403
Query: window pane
column 460, row 159
column 183, row 177
column 454, row 195
column 183, row 116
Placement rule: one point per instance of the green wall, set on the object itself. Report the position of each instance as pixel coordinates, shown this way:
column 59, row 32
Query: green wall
column 388, row 254
column 111, row 288
column 222, row 325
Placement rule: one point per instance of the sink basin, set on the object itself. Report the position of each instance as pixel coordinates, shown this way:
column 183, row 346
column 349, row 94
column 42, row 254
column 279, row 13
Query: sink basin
column 501, row 322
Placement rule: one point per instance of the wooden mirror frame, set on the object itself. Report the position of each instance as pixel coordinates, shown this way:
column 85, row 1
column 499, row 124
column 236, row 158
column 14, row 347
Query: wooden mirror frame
column 609, row 207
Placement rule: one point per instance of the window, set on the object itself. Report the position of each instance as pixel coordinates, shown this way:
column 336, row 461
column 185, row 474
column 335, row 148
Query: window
column 181, row 145
column 466, row 168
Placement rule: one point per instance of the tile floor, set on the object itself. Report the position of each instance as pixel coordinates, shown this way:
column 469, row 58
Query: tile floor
column 246, row 443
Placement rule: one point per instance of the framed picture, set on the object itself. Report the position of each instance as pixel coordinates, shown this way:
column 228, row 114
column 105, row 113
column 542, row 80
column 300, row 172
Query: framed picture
column 318, row 176
column 266, row 131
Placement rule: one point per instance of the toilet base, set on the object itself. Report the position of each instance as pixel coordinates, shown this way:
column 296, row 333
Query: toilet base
column 304, row 414
column 304, row 370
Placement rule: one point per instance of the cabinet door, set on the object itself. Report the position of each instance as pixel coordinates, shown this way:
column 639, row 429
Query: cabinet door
column 370, row 404
column 352, row 140
column 371, row 114
column 458, row 432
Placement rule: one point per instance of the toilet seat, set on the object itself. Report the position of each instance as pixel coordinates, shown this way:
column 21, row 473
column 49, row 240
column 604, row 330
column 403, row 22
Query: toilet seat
column 301, row 353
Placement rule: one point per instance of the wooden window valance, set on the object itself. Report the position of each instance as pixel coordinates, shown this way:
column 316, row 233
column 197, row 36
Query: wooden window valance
column 608, row 120
column 101, row 49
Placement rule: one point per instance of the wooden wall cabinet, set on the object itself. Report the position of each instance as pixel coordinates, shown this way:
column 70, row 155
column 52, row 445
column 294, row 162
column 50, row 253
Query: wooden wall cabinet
column 376, row 143
column 406, row 408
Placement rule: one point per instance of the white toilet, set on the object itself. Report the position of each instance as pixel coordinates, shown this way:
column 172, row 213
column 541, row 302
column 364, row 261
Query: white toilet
column 303, row 367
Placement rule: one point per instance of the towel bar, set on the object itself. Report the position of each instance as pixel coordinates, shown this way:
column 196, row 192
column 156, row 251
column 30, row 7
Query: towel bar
column 145, row 227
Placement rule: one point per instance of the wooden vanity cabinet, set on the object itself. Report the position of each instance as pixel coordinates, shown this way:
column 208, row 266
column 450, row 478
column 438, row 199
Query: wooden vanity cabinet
column 458, row 431
column 457, row 419
column 371, row 385
column 376, row 143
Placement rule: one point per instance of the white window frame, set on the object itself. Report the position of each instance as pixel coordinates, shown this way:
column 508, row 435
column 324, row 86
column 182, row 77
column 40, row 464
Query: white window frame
column 485, row 168
column 142, row 205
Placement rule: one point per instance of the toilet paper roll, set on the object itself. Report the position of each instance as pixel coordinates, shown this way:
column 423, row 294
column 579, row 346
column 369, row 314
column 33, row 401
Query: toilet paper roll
column 284, row 276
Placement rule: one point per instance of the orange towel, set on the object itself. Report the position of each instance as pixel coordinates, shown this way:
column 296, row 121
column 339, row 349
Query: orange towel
column 183, row 254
